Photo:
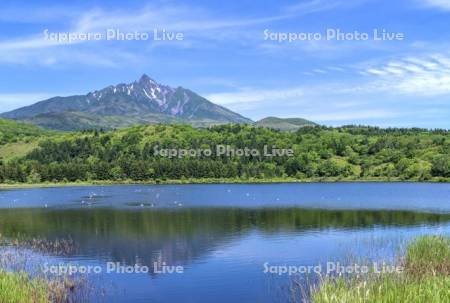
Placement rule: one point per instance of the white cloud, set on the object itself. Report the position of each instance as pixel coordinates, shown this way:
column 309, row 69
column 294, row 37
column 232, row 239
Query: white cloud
column 427, row 76
column 197, row 24
column 313, row 6
column 29, row 43
column 428, row 84
column 320, row 103
column 417, row 82
column 440, row 4
column 180, row 18
column 57, row 57
column 336, row 68
column 374, row 71
column 353, row 115
column 319, row 71
column 246, row 96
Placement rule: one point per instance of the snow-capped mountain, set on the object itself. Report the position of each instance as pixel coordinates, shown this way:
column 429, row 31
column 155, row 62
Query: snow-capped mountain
column 143, row 101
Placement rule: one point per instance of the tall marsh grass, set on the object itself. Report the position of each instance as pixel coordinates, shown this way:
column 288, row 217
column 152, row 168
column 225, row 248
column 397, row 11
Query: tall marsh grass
column 21, row 288
column 21, row 279
column 426, row 279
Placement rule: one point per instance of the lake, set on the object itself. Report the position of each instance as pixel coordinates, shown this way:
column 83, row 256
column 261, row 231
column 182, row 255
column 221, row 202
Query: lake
column 223, row 237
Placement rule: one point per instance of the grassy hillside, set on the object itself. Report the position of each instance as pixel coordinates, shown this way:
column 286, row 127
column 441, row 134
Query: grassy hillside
column 18, row 139
column 287, row 124
column 320, row 153
column 12, row 131
column 77, row 121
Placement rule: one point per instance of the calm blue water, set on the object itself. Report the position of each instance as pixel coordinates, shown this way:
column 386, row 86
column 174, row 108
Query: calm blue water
column 222, row 235
column 393, row 196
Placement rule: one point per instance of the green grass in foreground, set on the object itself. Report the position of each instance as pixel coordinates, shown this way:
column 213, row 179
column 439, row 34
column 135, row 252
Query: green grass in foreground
column 20, row 288
column 429, row 256
column 387, row 289
column 426, row 279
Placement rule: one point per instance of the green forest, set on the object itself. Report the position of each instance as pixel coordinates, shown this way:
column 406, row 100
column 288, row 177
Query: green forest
column 320, row 153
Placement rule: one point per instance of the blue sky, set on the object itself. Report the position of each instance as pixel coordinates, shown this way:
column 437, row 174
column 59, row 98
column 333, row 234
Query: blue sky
column 225, row 57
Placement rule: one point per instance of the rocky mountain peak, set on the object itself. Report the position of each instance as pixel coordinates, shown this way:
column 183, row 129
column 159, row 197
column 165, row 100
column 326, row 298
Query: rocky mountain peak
column 145, row 80
column 141, row 101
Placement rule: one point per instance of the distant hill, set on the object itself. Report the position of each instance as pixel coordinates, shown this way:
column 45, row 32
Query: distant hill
column 142, row 102
column 285, row 124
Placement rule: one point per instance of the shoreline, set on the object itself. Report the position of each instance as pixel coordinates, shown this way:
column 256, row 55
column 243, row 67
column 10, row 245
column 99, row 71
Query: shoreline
column 212, row 181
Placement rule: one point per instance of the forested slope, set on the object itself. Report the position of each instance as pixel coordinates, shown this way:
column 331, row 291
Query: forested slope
column 350, row 153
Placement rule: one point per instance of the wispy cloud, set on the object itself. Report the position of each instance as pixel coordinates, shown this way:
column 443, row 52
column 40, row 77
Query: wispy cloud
column 397, row 88
column 353, row 115
column 34, row 51
column 321, row 103
column 439, row 4
column 195, row 23
column 427, row 75
column 181, row 18
column 200, row 26
column 250, row 95
column 314, row 6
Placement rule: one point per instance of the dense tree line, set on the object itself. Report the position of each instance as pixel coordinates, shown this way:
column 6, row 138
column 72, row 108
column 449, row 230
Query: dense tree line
column 350, row 152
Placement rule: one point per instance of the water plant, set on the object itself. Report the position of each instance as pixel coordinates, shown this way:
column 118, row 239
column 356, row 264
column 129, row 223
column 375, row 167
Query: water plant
column 426, row 278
